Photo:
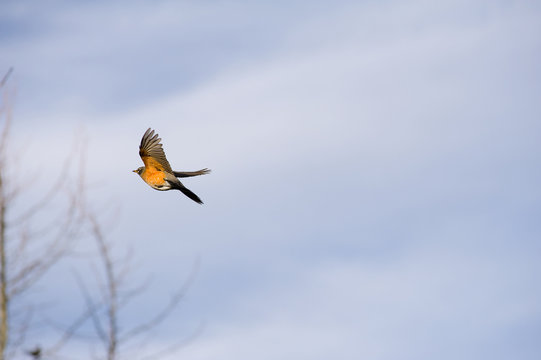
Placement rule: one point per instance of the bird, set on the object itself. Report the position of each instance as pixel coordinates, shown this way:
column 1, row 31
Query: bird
column 157, row 172
column 36, row 353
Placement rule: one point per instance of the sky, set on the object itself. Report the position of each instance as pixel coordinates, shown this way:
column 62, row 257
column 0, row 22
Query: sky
column 375, row 169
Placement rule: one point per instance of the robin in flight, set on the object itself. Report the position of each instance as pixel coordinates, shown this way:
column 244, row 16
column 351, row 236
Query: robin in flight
column 157, row 172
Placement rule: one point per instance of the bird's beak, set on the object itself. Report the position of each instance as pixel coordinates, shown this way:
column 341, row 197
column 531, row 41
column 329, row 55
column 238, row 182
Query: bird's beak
column 134, row 171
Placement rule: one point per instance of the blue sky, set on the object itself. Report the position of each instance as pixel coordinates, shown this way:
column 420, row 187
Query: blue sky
column 375, row 186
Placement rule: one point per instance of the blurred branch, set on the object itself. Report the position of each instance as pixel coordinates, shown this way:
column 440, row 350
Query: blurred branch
column 4, row 299
column 111, row 294
column 21, row 333
column 166, row 311
column 26, row 256
column 112, row 281
column 174, row 347
column 49, row 196
column 6, row 77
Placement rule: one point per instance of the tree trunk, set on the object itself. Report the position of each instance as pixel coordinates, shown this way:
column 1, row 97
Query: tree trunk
column 3, row 283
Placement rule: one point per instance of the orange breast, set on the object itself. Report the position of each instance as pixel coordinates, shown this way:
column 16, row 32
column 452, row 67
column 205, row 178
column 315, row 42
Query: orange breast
column 153, row 177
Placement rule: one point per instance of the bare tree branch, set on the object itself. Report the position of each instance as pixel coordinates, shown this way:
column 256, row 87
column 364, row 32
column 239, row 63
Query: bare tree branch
column 112, row 296
column 23, row 259
column 92, row 311
column 175, row 346
column 49, row 196
column 4, row 299
column 6, row 77
column 21, row 333
column 166, row 311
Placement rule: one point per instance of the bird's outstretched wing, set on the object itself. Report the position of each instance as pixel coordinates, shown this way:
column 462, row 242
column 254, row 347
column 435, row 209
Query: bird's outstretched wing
column 151, row 152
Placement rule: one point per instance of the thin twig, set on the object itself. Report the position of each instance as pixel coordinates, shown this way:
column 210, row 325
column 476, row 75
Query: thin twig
column 162, row 315
column 90, row 305
column 176, row 346
column 6, row 77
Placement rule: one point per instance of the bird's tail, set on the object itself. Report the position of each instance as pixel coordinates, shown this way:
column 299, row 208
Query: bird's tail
column 190, row 194
column 183, row 174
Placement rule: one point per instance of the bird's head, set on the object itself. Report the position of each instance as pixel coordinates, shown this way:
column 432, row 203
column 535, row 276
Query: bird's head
column 139, row 170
